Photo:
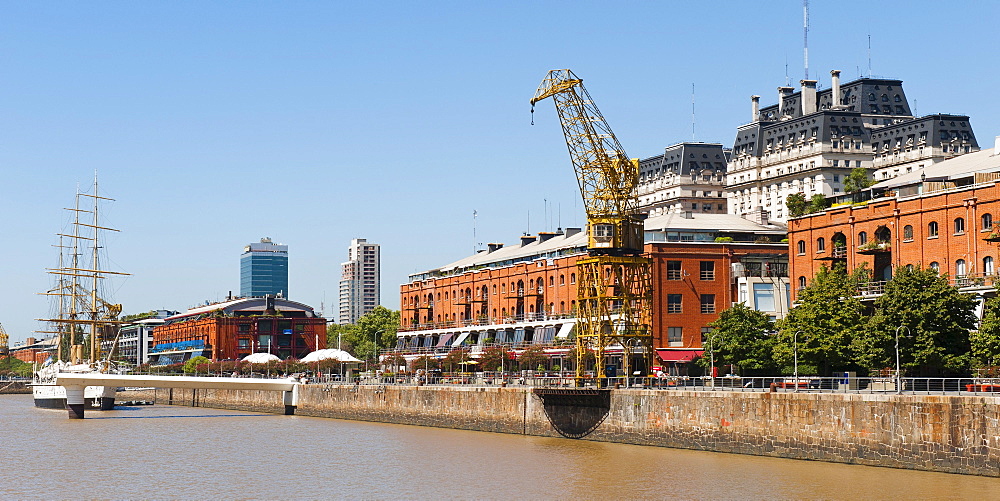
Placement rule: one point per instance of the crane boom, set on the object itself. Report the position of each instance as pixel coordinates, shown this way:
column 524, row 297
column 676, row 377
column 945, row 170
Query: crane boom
column 614, row 291
column 608, row 179
column 4, row 339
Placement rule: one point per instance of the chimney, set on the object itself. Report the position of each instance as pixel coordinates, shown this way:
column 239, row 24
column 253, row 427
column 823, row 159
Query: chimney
column 527, row 239
column 783, row 92
column 687, row 215
column 758, row 215
column 572, row 231
column 493, row 247
column 835, row 84
column 545, row 235
column 29, row 341
column 754, row 108
column 808, row 96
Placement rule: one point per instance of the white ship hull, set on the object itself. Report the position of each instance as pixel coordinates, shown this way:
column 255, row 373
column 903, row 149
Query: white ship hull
column 53, row 396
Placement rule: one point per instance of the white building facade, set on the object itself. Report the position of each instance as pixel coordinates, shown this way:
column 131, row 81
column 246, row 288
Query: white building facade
column 360, row 281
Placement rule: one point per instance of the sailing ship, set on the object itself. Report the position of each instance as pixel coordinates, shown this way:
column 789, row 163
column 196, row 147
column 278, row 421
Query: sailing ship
column 83, row 318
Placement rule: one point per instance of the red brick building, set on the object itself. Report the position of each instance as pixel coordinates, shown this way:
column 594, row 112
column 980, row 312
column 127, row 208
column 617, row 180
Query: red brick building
column 526, row 294
column 34, row 350
column 941, row 217
column 234, row 329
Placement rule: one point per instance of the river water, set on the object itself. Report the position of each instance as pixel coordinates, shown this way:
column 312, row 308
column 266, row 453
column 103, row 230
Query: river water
column 181, row 452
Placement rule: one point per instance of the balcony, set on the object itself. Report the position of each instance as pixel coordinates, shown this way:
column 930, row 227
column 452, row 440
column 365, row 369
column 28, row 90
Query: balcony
column 875, row 247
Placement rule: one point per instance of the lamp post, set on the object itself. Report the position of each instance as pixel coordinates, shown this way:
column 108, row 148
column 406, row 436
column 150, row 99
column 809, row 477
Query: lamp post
column 375, row 344
column 795, row 348
column 899, row 379
column 711, row 370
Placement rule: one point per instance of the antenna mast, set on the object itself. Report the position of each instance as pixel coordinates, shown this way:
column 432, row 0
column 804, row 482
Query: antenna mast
column 692, row 111
column 805, row 35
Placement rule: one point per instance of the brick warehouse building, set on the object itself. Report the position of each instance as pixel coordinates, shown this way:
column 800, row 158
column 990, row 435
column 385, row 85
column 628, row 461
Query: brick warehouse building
column 943, row 217
column 236, row 328
column 526, row 294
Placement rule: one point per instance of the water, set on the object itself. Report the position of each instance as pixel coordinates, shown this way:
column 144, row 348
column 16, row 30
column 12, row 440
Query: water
column 180, row 452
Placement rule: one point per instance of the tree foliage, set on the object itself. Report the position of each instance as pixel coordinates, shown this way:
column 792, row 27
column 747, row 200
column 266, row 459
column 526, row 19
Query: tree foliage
column 456, row 360
column 817, row 203
column 829, row 316
column 857, row 180
column 985, row 342
column 426, row 363
column 191, row 366
column 742, row 337
column 360, row 339
column 933, row 318
column 797, row 204
column 531, row 358
column 494, row 358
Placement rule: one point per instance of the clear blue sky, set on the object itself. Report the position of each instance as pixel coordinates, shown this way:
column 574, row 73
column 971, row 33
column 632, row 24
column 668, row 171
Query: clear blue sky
column 216, row 123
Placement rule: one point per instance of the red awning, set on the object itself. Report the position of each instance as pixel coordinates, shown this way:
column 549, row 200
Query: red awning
column 686, row 355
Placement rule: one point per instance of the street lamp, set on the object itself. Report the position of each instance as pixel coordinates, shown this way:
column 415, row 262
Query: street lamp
column 711, row 371
column 899, row 379
column 795, row 348
column 374, row 345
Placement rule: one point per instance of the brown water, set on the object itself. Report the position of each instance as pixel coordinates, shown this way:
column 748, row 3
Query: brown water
column 180, row 452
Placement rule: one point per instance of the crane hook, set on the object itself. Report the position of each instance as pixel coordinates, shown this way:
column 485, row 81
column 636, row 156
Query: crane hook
column 532, row 113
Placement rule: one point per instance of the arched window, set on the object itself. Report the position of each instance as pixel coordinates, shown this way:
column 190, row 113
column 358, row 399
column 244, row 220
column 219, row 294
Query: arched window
column 572, row 278
column 960, row 268
column 802, row 247
column 871, row 96
column 820, row 244
column 862, row 238
column 988, row 268
column 907, row 233
column 494, row 293
column 562, row 279
column 552, row 281
column 503, row 288
column 932, row 229
column 987, row 220
column 898, row 99
column 959, row 226
column 562, row 306
column 936, row 267
column 885, row 98
column 802, row 283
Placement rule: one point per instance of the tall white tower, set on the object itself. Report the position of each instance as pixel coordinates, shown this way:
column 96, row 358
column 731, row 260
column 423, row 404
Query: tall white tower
column 359, row 281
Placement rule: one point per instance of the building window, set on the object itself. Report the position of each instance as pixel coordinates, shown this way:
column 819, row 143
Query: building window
column 959, row 226
column 674, row 303
column 572, row 278
column 675, row 336
column 988, row 268
column 562, row 279
column 936, row 267
column 802, row 247
column 987, row 220
column 802, row 283
column 932, row 229
column 708, row 270
column 763, row 297
column 820, row 244
column 960, row 268
column 862, row 238
column 708, row 303
column 908, row 233
column 673, row 270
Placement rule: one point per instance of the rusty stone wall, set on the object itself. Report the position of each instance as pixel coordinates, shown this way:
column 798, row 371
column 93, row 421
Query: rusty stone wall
column 956, row 434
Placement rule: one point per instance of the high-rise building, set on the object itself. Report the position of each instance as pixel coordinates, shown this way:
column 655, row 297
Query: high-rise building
column 359, row 282
column 264, row 269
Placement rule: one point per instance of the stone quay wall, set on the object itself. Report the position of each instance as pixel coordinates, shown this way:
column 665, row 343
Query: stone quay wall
column 955, row 434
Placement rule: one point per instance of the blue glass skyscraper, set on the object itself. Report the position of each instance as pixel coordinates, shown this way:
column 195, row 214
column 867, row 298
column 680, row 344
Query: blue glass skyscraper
column 264, row 269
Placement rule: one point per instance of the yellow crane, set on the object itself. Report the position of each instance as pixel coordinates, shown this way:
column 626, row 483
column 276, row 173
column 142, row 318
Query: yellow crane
column 614, row 288
column 4, row 339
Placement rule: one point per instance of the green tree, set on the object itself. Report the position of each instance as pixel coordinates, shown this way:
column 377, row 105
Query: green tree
column 495, row 357
column 829, row 316
column 191, row 366
column 857, row 180
column 340, row 336
column 455, row 360
column 985, row 342
column 797, row 205
column 817, row 203
column 935, row 319
column 379, row 326
column 741, row 337
column 532, row 357
column 425, row 362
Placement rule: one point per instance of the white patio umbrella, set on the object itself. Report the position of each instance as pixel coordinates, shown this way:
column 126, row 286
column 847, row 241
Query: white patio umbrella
column 260, row 358
column 329, row 354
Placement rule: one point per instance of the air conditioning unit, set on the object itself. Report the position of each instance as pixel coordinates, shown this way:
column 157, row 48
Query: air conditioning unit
column 738, row 271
